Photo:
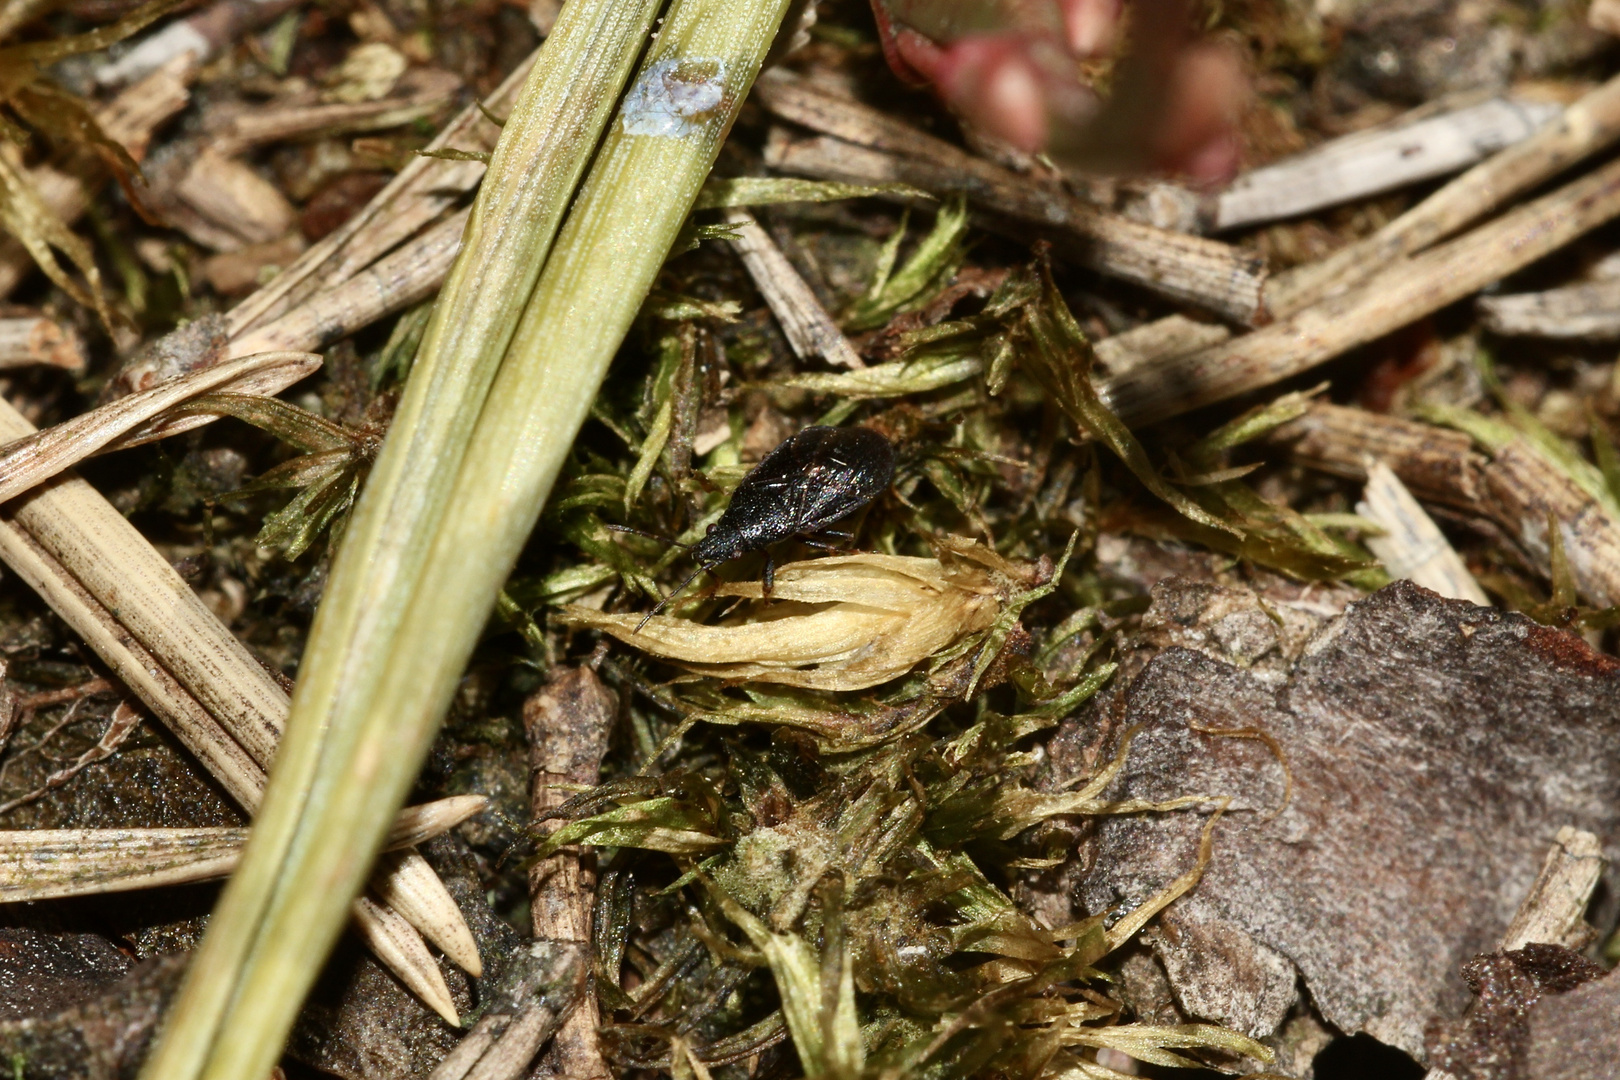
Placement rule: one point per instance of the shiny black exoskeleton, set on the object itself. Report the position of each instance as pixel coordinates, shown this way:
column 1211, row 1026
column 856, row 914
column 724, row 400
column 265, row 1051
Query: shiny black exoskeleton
column 813, row 480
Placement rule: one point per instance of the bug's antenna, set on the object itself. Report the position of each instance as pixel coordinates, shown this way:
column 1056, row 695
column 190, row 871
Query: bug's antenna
column 648, row 535
column 662, row 604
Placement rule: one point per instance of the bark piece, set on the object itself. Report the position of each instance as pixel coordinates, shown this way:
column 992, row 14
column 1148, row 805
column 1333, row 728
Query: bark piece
column 1493, row 1043
column 1574, row 1036
column 1434, row 747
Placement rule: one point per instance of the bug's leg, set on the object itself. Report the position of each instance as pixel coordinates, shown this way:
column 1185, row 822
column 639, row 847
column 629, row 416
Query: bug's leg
column 770, row 574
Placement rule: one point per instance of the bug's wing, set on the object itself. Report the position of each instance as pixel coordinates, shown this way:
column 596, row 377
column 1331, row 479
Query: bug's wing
column 850, row 468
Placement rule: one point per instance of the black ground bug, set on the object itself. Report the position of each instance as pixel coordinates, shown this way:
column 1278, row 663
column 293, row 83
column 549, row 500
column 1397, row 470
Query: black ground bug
column 812, row 480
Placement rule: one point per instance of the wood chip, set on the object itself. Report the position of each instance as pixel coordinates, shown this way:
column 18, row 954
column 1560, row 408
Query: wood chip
column 1413, row 547
column 1368, row 163
column 1577, row 312
column 40, row 340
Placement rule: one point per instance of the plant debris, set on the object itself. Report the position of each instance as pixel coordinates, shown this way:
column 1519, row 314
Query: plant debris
column 1104, row 747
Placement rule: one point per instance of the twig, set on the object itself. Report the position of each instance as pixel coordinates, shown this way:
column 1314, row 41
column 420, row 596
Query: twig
column 1413, row 546
column 1586, row 127
column 412, row 273
column 1579, row 312
column 805, row 323
column 1366, row 163
column 867, row 146
column 568, row 724
column 504, row 1041
column 1516, row 489
column 422, row 191
column 39, row 340
column 1403, row 293
column 1173, row 335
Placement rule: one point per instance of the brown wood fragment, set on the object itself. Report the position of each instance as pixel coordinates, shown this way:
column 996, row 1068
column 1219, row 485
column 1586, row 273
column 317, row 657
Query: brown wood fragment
column 1401, row 294
column 1517, row 489
column 568, row 724
column 223, row 204
column 39, row 340
column 810, row 331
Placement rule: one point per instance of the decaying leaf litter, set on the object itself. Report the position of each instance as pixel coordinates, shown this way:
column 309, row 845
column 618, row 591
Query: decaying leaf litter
column 812, row 853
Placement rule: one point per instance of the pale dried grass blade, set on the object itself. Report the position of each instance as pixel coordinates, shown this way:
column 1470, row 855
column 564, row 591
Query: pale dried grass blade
column 35, row 458
column 196, row 727
column 1413, row 546
column 39, row 864
column 73, row 547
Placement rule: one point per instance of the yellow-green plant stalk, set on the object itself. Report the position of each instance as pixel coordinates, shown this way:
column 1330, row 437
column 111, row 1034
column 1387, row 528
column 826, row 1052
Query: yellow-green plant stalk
column 447, row 511
column 545, row 147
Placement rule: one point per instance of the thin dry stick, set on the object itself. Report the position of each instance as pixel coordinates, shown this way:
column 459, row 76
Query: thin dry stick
column 871, row 147
column 1402, row 294
column 1580, row 312
column 412, row 273
column 1413, row 547
column 568, row 724
column 1368, row 162
column 422, row 191
column 1515, row 489
column 805, row 323
column 1586, row 127
column 40, row 864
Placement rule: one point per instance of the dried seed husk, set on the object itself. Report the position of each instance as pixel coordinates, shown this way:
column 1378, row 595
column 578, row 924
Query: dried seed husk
column 840, row 623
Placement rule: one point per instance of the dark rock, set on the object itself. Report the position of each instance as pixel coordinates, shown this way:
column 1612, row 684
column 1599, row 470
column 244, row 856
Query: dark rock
column 104, row 1036
column 44, row 973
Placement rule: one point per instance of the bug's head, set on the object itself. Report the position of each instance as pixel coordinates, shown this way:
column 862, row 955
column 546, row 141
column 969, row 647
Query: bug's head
column 717, row 547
